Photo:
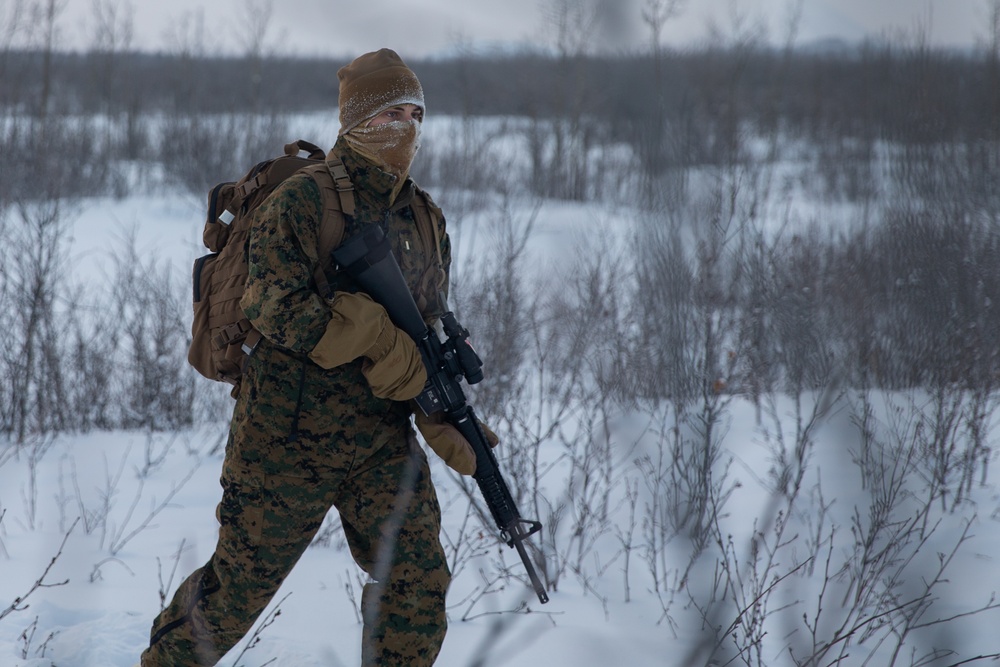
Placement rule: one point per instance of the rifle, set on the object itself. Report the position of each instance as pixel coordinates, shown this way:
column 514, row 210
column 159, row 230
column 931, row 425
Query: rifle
column 368, row 259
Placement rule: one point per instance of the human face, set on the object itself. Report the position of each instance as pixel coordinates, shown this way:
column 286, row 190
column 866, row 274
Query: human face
column 399, row 113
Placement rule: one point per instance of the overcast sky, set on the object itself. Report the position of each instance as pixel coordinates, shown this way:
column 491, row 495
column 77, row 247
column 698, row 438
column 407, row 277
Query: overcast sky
column 433, row 27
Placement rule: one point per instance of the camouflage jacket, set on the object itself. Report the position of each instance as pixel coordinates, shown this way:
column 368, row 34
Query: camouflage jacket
column 281, row 301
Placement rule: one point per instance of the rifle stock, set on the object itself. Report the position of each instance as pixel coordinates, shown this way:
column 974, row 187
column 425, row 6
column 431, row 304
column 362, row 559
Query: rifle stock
column 367, row 258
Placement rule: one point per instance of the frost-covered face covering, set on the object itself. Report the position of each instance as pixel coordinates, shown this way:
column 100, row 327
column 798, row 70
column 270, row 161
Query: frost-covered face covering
column 369, row 85
column 391, row 146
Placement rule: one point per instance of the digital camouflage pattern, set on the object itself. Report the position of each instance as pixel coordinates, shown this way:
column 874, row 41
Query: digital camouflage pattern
column 304, row 439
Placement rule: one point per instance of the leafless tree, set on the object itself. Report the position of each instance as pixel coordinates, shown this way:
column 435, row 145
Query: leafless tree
column 32, row 359
column 45, row 16
column 655, row 15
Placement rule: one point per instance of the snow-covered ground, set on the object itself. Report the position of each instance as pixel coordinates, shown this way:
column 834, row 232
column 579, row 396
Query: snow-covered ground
column 136, row 512
column 114, row 521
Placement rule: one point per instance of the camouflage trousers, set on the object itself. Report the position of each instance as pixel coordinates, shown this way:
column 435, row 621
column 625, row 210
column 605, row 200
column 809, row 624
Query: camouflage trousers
column 391, row 519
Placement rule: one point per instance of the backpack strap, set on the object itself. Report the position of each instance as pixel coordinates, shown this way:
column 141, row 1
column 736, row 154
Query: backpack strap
column 337, row 201
column 266, row 175
column 428, row 216
column 342, row 183
column 426, row 223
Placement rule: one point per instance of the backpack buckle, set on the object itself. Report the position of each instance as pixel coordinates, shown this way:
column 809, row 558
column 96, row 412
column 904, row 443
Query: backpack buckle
column 251, row 342
column 248, row 188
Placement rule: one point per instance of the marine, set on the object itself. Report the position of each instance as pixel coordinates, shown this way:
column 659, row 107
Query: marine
column 323, row 415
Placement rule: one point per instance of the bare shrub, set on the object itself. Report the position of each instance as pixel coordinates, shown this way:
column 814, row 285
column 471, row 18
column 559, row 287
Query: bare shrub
column 98, row 506
column 79, row 358
column 61, row 158
column 469, row 167
column 500, row 311
column 31, row 359
column 867, row 582
column 20, row 603
column 584, row 332
column 664, row 311
column 91, row 347
column 155, row 381
column 198, row 151
column 253, row 641
column 557, row 367
column 167, row 586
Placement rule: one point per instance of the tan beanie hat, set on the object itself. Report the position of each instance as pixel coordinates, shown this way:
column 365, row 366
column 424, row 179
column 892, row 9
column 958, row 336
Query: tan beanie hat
column 373, row 83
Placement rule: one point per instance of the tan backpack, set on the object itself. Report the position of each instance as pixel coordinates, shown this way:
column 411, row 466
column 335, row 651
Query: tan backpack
column 222, row 337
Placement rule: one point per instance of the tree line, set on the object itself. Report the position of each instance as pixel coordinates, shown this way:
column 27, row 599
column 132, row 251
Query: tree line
column 905, row 92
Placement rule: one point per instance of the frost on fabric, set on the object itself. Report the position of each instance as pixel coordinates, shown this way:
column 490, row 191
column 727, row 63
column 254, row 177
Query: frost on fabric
column 364, row 105
column 392, row 134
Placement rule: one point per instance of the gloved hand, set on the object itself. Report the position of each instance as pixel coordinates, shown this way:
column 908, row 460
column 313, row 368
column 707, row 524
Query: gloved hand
column 393, row 366
column 449, row 444
column 359, row 327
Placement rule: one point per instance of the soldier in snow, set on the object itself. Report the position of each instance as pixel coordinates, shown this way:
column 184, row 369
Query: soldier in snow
column 322, row 418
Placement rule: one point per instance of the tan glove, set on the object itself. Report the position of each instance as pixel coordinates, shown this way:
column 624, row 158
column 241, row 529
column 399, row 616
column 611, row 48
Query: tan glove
column 492, row 438
column 359, row 327
column 399, row 373
column 449, row 444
